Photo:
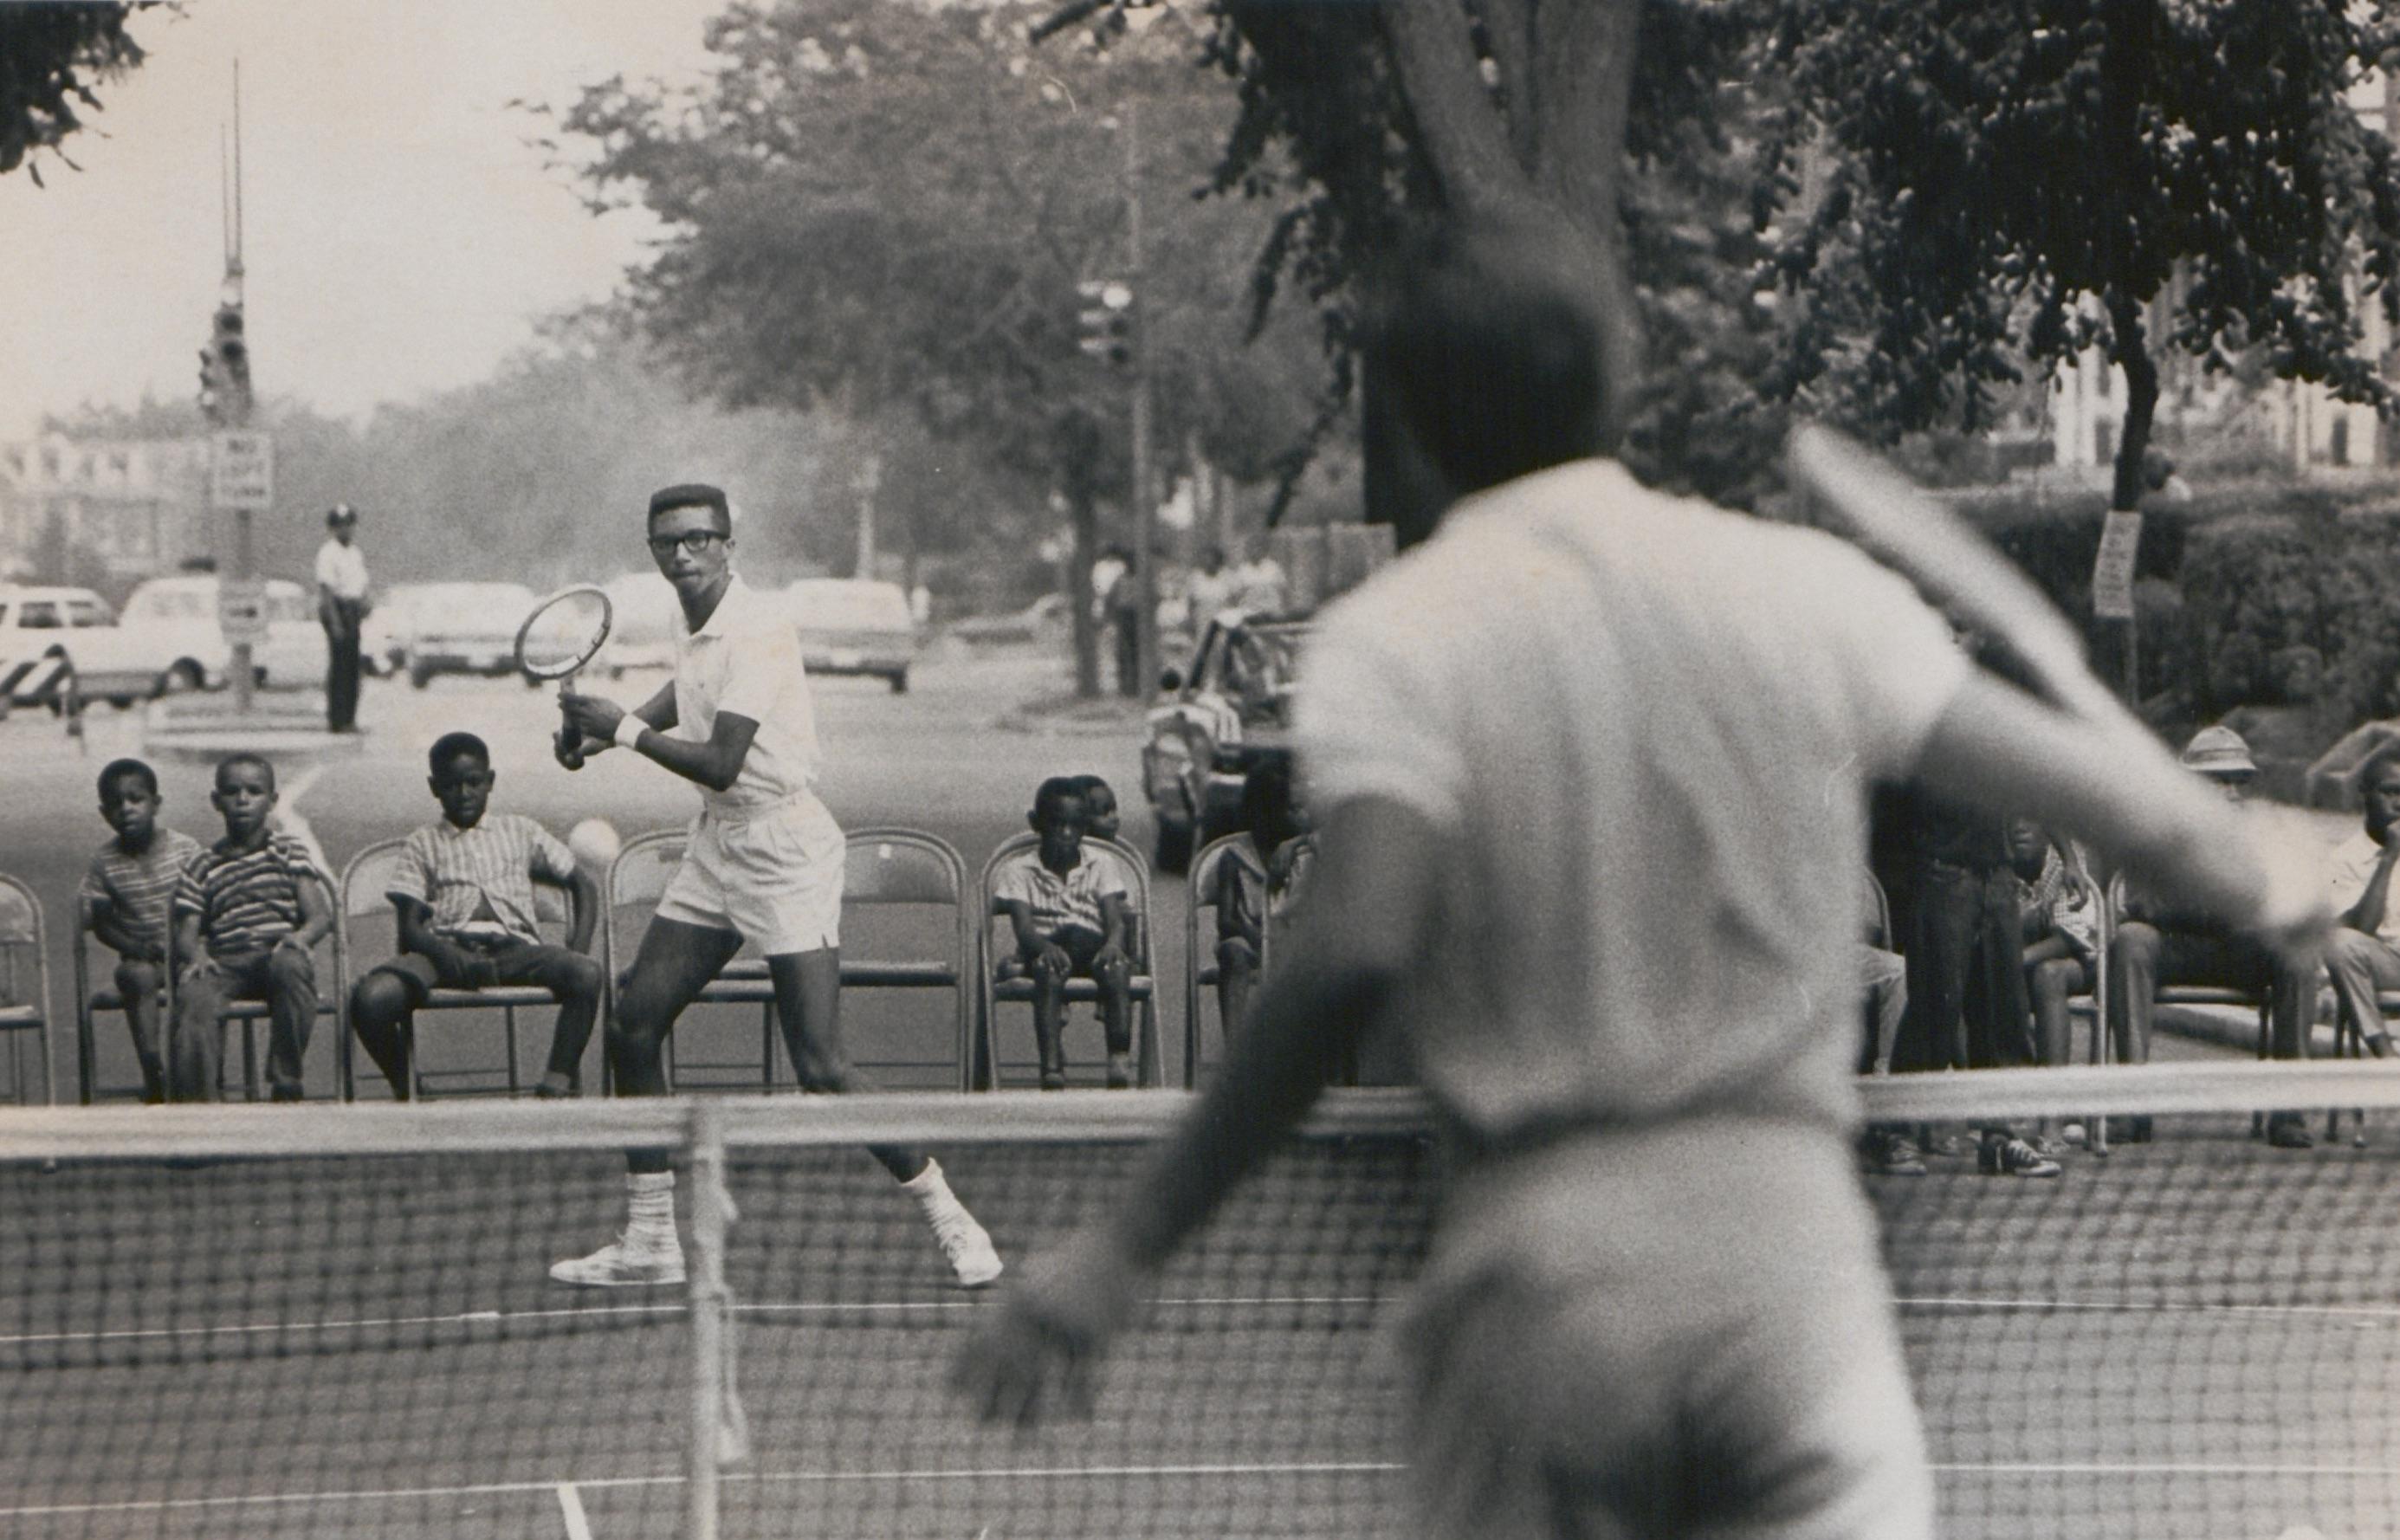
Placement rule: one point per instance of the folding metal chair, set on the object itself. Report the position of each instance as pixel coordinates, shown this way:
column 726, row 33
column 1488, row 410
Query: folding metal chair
column 24, row 984
column 998, row 991
column 91, row 1002
column 366, row 895
column 884, row 867
column 1200, row 967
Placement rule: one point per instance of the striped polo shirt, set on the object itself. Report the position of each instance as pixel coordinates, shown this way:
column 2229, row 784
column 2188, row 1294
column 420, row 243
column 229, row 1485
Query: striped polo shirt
column 137, row 889
column 479, row 881
column 247, row 900
column 1057, row 901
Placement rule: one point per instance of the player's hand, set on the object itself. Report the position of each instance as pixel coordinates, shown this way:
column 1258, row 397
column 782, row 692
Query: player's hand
column 569, row 747
column 1111, row 959
column 590, row 715
column 1053, row 960
column 1040, row 1351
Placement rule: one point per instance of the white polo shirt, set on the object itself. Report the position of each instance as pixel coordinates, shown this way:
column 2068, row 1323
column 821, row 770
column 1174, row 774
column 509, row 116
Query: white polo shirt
column 1641, row 730
column 746, row 659
column 342, row 569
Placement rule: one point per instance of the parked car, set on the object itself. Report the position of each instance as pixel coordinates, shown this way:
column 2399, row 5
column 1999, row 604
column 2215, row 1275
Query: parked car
column 641, row 626
column 854, row 625
column 465, row 628
column 1230, row 711
column 47, row 636
column 174, row 622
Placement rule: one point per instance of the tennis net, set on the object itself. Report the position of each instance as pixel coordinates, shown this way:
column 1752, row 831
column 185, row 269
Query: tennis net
column 252, row 1321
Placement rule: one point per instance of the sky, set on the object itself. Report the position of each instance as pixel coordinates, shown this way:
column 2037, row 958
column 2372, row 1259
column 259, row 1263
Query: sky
column 402, row 234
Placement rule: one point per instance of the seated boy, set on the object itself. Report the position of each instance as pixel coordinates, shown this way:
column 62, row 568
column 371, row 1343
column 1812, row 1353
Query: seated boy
column 125, row 897
column 464, row 890
column 1102, row 820
column 1249, row 889
column 1070, row 918
column 248, row 911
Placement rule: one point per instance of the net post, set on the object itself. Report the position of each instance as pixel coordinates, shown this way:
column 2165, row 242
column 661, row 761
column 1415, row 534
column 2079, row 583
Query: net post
column 716, row 1436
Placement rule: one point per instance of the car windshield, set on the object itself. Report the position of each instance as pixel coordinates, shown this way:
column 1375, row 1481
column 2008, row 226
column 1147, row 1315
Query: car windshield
column 88, row 612
column 834, row 605
column 167, row 603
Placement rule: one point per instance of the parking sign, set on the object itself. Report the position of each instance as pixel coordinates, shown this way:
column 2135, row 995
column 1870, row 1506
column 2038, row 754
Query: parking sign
column 241, row 471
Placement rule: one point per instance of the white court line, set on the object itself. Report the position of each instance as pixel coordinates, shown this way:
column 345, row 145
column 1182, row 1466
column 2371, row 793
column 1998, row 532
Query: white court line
column 489, row 1489
column 2157, row 1307
column 2180, row 1468
column 664, row 1307
column 1005, row 1473
column 2390, row 1313
column 570, row 1505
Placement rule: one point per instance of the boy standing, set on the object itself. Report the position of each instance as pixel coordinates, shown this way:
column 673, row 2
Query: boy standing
column 125, row 897
column 464, row 890
column 1070, row 918
column 248, row 911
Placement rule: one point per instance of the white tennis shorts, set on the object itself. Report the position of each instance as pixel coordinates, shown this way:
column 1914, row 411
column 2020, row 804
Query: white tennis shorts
column 773, row 876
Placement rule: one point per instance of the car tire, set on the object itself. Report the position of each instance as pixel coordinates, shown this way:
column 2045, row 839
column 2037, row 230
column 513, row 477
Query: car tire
column 900, row 683
column 419, row 676
column 1171, row 851
column 181, row 678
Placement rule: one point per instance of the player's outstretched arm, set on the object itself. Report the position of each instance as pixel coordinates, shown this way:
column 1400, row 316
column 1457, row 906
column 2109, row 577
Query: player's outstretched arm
column 1367, row 911
column 1999, row 748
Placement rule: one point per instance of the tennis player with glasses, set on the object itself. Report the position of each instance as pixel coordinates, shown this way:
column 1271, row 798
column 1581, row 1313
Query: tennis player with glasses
column 764, row 863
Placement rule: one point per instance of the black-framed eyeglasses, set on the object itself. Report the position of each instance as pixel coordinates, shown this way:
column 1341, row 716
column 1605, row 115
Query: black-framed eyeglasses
column 693, row 541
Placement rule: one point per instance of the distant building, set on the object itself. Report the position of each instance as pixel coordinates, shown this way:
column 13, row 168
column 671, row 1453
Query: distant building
column 2303, row 420
column 136, row 506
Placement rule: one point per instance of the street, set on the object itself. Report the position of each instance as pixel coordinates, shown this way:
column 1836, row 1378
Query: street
column 933, row 759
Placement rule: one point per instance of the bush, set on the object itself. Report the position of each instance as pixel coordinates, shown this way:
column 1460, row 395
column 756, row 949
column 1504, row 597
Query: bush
column 2254, row 589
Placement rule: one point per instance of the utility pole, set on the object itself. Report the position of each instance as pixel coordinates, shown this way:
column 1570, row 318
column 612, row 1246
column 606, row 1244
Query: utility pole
column 244, row 559
column 1145, row 503
column 240, row 463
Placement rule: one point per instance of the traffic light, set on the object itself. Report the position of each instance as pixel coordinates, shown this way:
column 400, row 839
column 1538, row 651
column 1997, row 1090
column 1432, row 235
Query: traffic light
column 211, row 388
column 1107, row 321
column 232, row 352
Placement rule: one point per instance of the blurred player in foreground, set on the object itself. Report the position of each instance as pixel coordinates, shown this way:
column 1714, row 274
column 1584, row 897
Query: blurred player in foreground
column 1582, row 761
column 764, row 863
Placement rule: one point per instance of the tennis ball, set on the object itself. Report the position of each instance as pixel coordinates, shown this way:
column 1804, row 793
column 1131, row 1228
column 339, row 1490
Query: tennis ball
column 595, row 844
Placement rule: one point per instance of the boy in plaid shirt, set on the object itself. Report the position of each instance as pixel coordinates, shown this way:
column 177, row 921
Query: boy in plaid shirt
column 124, row 898
column 249, row 910
column 466, row 901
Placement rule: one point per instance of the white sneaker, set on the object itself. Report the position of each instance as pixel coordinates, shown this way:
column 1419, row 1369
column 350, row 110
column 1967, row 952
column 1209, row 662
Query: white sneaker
column 624, row 1263
column 967, row 1245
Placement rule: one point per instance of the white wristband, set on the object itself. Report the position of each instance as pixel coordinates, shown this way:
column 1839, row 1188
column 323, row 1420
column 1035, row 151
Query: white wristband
column 629, row 730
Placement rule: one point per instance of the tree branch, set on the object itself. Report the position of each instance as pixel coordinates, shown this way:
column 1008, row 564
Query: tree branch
column 1461, row 127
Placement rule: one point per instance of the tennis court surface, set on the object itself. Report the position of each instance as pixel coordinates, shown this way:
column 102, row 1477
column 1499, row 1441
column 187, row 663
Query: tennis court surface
column 340, row 1323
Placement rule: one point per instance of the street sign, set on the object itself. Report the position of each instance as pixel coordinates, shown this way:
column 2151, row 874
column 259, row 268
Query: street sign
column 241, row 471
column 2112, row 575
column 241, row 610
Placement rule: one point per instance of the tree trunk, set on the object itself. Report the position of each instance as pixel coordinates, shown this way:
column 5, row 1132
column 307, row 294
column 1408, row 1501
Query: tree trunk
column 2131, row 351
column 1555, row 155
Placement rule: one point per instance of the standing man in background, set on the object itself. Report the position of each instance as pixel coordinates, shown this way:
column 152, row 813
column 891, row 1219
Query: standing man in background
column 341, row 606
